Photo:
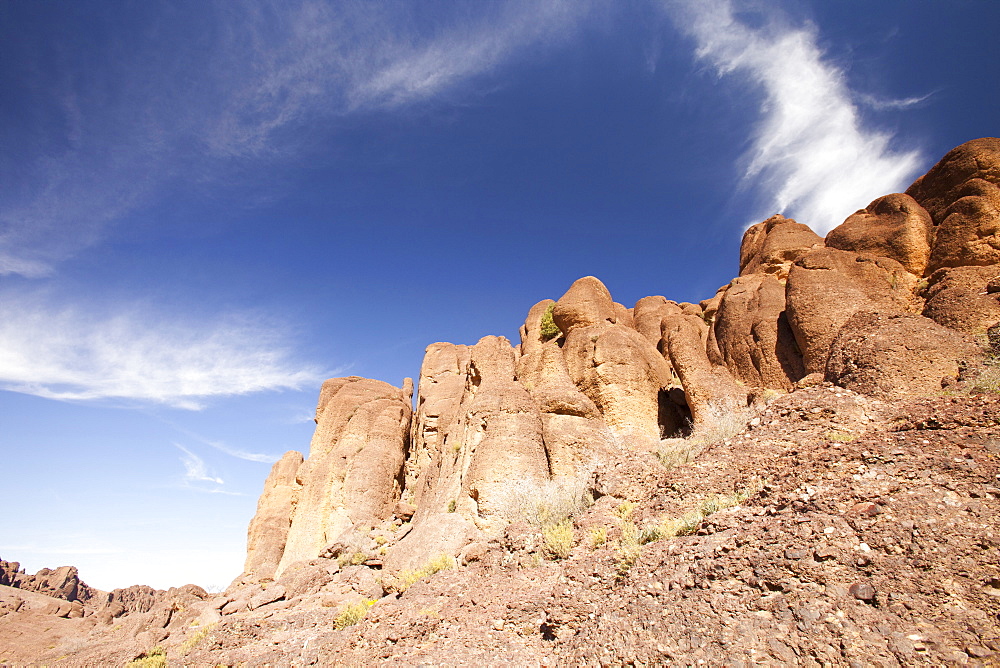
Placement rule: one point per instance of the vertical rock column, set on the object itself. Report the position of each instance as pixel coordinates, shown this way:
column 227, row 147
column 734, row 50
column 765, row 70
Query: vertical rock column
column 268, row 530
column 573, row 431
column 618, row 368
column 351, row 479
column 474, row 441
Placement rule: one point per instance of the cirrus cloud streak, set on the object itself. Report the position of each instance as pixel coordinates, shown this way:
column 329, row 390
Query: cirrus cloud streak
column 68, row 353
column 811, row 154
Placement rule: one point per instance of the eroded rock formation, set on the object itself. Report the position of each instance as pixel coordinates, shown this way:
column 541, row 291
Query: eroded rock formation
column 351, row 480
column 889, row 305
column 862, row 330
column 894, row 226
column 962, row 195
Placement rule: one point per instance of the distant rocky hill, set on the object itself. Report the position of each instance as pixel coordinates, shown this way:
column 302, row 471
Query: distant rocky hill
column 801, row 469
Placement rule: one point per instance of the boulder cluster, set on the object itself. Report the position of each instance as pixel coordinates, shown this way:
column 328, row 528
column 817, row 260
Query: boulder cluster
column 898, row 301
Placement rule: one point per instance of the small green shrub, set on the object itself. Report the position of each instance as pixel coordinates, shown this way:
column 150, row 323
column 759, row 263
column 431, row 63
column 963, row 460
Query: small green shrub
column 452, row 505
column 624, row 510
column 549, row 330
column 352, row 614
column 677, row 454
column 840, row 436
column 191, row 642
column 629, row 546
column 351, row 558
column 154, row 658
column 688, row 523
column 988, row 380
column 558, row 539
column 405, row 579
column 541, row 504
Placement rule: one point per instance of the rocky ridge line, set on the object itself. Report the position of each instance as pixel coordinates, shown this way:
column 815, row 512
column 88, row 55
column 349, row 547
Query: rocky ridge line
column 898, row 303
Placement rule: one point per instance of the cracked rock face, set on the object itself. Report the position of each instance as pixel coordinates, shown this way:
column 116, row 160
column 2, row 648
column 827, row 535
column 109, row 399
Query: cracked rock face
column 352, row 477
column 827, row 286
column 893, row 226
column 962, row 195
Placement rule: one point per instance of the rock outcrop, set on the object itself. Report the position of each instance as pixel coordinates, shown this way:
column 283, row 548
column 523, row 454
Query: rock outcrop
column 859, row 334
column 770, row 247
column 618, row 368
column 63, row 582
column 898, row 355
column 962, row 195
column 966, row 299
column 827, row 286
column 268, row 530
column 351, row 480
column 573, row 428
column 710, row 390
column 753, row 336
column 894, row 226
column 888, row 305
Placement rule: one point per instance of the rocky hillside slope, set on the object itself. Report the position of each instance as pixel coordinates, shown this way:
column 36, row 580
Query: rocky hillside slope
column 801, row 469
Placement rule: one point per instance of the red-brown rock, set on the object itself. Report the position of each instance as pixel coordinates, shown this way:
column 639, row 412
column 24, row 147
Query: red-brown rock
column 710, row 390
column 770, row 247
column 962, row 195
column 753, row 336
column 962, row 298
column 896, row 355
column 893, row 226
column 827, row 286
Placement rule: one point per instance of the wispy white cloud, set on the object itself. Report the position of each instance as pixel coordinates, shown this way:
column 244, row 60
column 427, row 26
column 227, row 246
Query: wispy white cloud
column 811, row 154
column 250, row 84
column 71, row 353
column 224, row 447
column 195, row 469
column 884, row 104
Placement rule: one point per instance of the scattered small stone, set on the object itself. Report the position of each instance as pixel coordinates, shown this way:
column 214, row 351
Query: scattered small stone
column 863, row 591
column 825, row 552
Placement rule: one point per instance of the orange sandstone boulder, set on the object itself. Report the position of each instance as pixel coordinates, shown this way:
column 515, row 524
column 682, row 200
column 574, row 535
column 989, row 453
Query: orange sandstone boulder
column 962, row 195
column 770, row 247
column 752, row 333
column 648, row 314
column 587, row 303
column 966, row 299
column 827, row 286
column 893, row 226
column 898, row 355
column 573, row 430
column 441, row 385
column 618, row 368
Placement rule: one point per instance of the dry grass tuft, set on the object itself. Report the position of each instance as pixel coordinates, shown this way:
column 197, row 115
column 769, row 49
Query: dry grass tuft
column 558, row 539
column 352, row 614
column 543, row 504
column 406, row 579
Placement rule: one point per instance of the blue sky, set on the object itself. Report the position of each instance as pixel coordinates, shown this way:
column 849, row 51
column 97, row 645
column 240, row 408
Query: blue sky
column 206, row 208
